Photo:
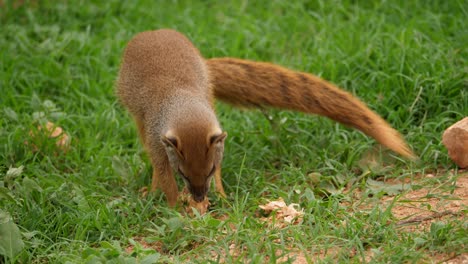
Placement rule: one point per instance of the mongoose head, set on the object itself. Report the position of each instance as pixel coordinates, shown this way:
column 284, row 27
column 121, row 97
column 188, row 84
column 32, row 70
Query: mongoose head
column 195, row 153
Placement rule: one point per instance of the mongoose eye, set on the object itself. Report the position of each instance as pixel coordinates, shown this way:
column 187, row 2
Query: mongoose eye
column 212, row 171
column 183, row 175
column 210, row 175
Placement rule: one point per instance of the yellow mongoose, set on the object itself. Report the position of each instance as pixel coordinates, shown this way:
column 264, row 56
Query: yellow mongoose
column 169, row 88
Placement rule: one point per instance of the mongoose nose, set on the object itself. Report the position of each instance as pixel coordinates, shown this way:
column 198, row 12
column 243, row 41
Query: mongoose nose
column 198, row 197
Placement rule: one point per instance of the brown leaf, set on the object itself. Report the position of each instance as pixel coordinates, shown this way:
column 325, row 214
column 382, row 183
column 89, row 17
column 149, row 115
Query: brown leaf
column 285, row 214
column 186, row 198
column 49, row 131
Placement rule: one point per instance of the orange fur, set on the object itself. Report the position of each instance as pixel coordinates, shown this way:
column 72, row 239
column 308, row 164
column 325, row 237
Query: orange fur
column 169, row 89
column 163, row 81
column 257, row 84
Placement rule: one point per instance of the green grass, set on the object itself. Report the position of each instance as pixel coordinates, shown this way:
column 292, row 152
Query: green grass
column 59, row 61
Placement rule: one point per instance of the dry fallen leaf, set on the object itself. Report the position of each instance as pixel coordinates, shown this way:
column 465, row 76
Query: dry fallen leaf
column 144, row 191
column 49, row 131
column 187, row 200
column 202, row 207
column 285, row 214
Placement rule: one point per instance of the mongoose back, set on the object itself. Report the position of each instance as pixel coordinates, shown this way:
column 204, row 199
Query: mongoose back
column 169, row 89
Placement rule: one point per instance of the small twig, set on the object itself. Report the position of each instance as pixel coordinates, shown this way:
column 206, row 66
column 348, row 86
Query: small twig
column 426, row 218
column 450, row 258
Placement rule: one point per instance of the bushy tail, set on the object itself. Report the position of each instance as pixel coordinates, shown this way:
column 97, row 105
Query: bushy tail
column 257, row 84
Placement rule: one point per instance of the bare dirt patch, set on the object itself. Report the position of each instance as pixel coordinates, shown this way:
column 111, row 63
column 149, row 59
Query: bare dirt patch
column 158, row 246
column 421, row 201
column 424, row 203
column 417, row 209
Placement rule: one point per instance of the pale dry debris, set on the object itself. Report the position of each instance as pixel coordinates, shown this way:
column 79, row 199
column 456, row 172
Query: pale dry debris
column 285, row 214
column 50, row 131
column 186, row 198
column 201, row 207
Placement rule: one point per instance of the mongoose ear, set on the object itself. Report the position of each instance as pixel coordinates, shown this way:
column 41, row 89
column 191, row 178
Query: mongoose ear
column 170, row 140
column 219, row 138
column 172, row 145
column 217, row 146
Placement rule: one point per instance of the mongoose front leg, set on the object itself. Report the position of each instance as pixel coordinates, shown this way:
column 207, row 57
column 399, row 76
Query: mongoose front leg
column 141, row 129
column 155, row 180
column 163, row 178
column 219, row 183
